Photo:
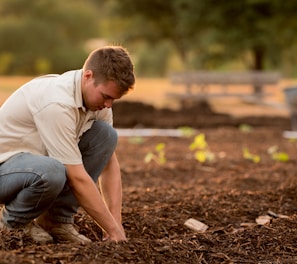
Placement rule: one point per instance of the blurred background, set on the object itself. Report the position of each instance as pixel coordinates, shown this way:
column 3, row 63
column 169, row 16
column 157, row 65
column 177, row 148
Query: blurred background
column 53, row 36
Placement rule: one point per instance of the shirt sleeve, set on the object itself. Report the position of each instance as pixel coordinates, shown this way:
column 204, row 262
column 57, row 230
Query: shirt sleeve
column 56, row 125
column 105, row 115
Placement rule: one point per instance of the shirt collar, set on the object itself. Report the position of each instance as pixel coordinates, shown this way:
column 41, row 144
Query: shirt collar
column 77, row 90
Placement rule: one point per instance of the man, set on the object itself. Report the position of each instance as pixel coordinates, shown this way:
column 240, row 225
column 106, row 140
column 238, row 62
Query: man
column 56, row 138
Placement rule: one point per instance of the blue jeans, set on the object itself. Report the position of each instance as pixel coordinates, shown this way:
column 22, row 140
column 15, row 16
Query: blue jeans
column 31, row 185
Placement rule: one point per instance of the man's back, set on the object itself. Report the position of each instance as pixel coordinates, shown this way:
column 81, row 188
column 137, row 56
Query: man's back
column 19, row 120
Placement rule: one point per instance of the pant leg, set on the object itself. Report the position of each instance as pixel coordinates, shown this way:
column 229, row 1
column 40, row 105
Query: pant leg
column 96, row 146
column 28, row 186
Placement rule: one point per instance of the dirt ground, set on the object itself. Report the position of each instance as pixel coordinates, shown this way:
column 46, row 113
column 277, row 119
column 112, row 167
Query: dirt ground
column 228, row 194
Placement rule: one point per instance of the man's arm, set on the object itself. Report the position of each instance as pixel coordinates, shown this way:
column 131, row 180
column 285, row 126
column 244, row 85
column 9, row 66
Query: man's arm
column 110, row 183
column 89, row 197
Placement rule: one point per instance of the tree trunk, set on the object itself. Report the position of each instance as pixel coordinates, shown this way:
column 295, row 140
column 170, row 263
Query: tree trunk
column 258, row 54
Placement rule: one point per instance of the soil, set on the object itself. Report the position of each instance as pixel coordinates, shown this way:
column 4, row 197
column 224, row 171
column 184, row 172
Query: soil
column 227, row 194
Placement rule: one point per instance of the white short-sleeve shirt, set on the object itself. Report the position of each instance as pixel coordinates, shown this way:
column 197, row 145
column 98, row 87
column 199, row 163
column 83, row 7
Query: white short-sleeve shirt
column 46, row 117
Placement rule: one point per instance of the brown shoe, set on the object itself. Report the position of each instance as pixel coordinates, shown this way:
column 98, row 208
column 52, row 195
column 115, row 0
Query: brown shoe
column 61, row 231
column 37, row 233
column 4, row 226
column 67, row 232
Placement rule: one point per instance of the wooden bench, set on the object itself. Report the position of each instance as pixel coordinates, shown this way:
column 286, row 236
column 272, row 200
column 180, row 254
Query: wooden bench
column 197, row 85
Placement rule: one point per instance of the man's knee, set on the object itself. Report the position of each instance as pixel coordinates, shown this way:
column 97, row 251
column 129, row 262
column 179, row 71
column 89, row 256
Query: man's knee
column 101, row 135
column 107, row 132
column 53, row 174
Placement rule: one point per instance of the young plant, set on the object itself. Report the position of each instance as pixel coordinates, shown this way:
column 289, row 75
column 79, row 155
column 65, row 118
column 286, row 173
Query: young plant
column 158, row 155
column 277, row 155
column 248, row 155
column 187, row 131
column 136, row 140
column 245, row 128
column 200, row 146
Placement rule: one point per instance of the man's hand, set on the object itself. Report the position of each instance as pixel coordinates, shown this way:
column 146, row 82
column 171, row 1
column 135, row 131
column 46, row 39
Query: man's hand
column 107, row 237
column 117, row 236
column 89, row 197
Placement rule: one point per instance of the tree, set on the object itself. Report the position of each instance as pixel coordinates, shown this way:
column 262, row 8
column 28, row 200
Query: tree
column 210, row 32
column 44, row 35
column 160, row 19
column 263, row 27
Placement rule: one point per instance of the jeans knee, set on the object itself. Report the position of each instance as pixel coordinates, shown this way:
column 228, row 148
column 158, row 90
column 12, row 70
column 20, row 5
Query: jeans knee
column 101, row 136
column 107, row 132
column 112, row 136
column 53, row 176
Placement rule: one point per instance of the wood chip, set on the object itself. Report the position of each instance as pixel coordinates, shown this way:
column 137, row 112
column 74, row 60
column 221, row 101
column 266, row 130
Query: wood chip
column 263, row 219
column 196, row 225
column 277, row 215
column 247, row 224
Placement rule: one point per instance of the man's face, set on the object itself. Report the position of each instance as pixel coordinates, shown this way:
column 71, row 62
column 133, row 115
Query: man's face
column 97, row 97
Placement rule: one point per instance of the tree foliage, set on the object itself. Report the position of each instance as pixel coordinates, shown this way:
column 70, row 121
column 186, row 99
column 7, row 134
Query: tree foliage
column 49, row 35
column 42, row 35
column 209, row 33
column 263, row 27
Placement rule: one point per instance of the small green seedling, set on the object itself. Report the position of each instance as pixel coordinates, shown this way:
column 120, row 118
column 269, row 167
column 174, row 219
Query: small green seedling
column 136, row 140
column 278, row 155
column 158, row 155
column 187, row 131
column 202, row 152
column 245, row 128
column 293, row 140
column 199, row 142
column 248, row 155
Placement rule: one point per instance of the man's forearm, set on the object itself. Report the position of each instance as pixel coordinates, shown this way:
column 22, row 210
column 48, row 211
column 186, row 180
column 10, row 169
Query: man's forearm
column 89, row 197
column 111, row 188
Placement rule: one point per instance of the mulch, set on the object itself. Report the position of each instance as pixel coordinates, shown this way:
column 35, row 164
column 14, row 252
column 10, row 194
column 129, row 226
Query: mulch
column 227, row 194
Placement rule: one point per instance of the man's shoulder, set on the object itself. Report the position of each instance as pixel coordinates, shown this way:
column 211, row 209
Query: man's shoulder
column 52, row 89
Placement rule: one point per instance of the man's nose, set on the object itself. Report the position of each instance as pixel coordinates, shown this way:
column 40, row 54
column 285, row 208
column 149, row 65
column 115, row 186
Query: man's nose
column 108, row 103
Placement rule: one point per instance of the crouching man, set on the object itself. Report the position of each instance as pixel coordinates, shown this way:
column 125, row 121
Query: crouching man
column 56, row 138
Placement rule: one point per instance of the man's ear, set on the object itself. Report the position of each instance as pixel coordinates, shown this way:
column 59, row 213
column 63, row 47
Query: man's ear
column 88, row 74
